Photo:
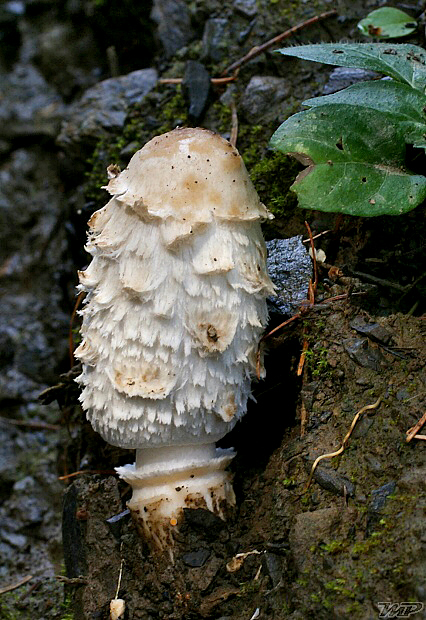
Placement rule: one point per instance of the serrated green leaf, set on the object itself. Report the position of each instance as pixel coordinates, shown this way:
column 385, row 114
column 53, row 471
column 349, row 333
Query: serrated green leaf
column 382, row 95
column 403, row 62
column 356, row 160
column 387, row 23
column 359, row 189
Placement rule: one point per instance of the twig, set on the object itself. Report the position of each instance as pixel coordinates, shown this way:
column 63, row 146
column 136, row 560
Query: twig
column 256, row 51
column 39, row 425
column 344, row 443
column 412, row 432
column 216, row 81
column 16, row 585
column 308, row 240
column 108, row 472
column 380, row 281
column 72, row 581
column 119, row 576
column 302, row 357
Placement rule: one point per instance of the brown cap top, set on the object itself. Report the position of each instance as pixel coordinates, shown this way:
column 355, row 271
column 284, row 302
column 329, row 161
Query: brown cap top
column 191, row 174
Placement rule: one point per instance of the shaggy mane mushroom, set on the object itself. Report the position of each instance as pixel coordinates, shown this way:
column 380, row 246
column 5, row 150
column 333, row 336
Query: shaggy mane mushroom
column 175, row 308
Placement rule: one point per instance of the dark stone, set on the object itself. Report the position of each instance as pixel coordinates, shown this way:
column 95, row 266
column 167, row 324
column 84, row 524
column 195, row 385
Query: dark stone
column 173, row 24
column 262, row 98
column 290, row 268
column 379, row 497
column 334, row 482
column 115, row 523
column 274, row 567
column 196, row 558
column 103, row 109
column 360, row 352
column 196, row 88
column 215, row 39
column 318, row 417
column 374, row 331
column 203, row 521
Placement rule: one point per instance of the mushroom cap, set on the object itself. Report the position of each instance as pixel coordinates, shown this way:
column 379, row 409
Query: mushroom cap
column 191, row 174
column 176, row 301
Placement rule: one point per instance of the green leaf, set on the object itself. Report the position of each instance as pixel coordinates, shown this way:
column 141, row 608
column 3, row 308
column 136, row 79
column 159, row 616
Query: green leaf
column 359, row 189
column 407, row 105
column 403, row 62
column 388, row 23
column 356, row 161
column 342, row 133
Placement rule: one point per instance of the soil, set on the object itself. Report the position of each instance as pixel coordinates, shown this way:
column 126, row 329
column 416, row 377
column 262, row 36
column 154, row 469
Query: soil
column 354, row 538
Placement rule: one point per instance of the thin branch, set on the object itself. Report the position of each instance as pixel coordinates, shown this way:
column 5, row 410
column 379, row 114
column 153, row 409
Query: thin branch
column 38, row 425
column 412, row 432
column 215, row 81
column 16, row 585
column 108, row 472
column 256, row 51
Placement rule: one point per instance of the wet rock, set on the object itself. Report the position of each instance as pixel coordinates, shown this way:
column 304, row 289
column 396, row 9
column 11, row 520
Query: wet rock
column 196, row 558
column 263, row 98
column 29, row 106
column 363, row 354
column 103, row 109
column 290, row 268
column 173, row 24
column 196, row 88
column 215, row 39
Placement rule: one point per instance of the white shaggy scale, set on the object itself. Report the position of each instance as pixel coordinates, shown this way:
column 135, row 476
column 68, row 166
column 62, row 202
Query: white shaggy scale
column 176, row 290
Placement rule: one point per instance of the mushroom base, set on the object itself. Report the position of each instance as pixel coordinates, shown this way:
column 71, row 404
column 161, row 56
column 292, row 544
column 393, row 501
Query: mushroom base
column 168, row 479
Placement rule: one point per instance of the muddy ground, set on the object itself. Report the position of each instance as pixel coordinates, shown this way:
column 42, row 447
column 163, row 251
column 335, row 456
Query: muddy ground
column 353, row 539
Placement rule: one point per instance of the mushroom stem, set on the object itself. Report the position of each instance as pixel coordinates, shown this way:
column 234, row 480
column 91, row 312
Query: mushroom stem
column 167, row 479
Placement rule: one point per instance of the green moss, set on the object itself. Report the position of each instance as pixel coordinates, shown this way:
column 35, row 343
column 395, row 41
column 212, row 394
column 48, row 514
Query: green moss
column 272, row 177
column 7, row 606
column 333, row 547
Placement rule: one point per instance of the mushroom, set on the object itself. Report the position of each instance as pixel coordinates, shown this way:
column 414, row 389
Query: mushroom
column 174, row 312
